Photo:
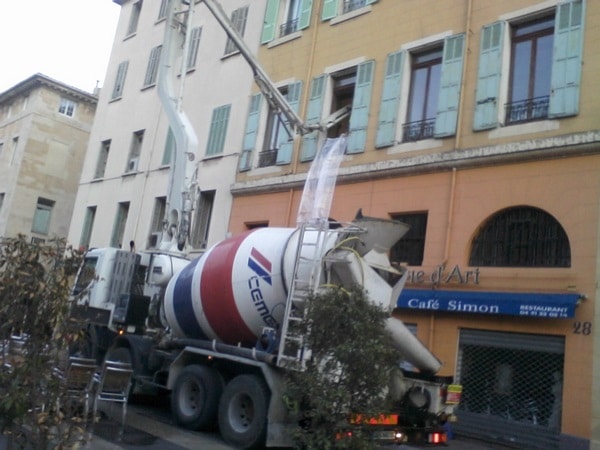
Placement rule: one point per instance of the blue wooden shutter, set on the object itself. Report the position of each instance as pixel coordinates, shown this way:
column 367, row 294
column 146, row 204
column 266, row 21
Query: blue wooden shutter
column 313, row 115
column 305, row 13
column 329, row 9
column 270, row 22
column 488, row 77
column 390, row 99
column 359, row 117
column 566, row 59
column 251, row 132
column 286, row 143
column 450, row 84
column 218, row 130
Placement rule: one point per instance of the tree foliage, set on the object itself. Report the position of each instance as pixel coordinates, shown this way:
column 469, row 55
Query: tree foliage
column 349, row 371
column 35, row 281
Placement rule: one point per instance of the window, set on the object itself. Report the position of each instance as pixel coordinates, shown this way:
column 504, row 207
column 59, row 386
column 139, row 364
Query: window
column 120, row 80
column 238, row 19
column 521, row 237
column 88, row 225
column 333, row 8
column 218, row 130
column 118, row 232
column 278, row 144
column 66, row 107
column 170, row 147
column 351, row 86
column 202, row 222
column 254, row 225
column 545, row 61
column 2, row 195
column 284, row 17
column 152, row 68
column 251, row 132
column 102, row 159
column 135, row 151
column 435, row 73
column 42, row 216
column 158, row 216
column 411, row 247
column 15, row 146
column 531, row 60
column 164, row 9
column 193, row 48
column 135, row 17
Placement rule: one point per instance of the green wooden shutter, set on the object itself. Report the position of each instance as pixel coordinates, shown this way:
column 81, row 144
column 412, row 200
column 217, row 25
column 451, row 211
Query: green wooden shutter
column 313, row 115
column 329, row 9
column 251, row 131
column 390, row 100
column 284, row 153
column 218, row 130
column 305, row 13
column 359, row 117
column 488, row 77
column 270, row 23
column 566, row 59
column 450, row 84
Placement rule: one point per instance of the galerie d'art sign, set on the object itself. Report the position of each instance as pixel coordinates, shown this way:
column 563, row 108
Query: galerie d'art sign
column 455, row 275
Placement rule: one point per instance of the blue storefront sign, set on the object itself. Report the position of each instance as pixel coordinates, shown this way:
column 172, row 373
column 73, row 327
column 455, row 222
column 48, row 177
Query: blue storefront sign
column 560, row 306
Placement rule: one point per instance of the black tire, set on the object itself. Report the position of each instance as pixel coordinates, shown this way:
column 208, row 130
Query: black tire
column 195, row 398
column 243, row 412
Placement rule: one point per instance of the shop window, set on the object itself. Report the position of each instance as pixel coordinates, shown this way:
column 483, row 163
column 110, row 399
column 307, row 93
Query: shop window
column 88, row 225
column 204, row 211
column 120, row 80
column 544, row 53
column 134, row 18
column 521, row 237
column 218, row 130
column 238, row 19
column 152, row 67
column 118, row 232
column 102, row 159
column 42, row 216
column 411, row 247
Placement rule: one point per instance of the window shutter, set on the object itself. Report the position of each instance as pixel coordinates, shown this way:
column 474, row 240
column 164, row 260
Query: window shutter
column 329, row 9
column 359, row 117
column 370, row 2
column 218, row 130
column 390, row 99
column 566, row 62
column 251, row 131
column 270, row 23
column 488, row 77
column 284, row 153
column 313, row 115
column 305, row 13
column 120, row 80
column 450, row 84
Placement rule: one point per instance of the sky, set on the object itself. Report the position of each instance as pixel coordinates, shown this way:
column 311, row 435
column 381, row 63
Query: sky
column 68, row 40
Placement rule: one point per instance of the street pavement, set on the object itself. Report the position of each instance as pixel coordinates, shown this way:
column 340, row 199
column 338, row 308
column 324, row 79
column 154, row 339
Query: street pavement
column 149, row 427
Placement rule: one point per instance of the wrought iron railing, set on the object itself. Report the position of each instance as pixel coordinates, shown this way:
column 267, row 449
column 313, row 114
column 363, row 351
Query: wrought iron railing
column 527, row 110
column 351, row 5
column 415, row 131
column 288, row 28
column 267, row 158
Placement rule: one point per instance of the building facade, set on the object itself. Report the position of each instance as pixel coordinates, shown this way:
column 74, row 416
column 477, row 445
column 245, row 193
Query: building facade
column 476, row 123
column 44, row 129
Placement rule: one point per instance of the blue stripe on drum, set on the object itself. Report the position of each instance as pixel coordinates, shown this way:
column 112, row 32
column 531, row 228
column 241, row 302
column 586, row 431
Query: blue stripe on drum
column 182, row 303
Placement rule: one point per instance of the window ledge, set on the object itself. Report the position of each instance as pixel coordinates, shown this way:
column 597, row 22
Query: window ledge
column 524, row 128
column 284, row 39
column 424, row 144
column 351, row 15
column 265, row 170
column 129, row 174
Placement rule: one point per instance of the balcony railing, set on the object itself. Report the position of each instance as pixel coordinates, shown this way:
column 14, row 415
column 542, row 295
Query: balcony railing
column 288, row 28
column 351, row 5
column 267, row 158
column 415, row 131
column 527, row 110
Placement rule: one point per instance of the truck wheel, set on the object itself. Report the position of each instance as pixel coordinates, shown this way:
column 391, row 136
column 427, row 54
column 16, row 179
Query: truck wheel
column 195, row 399
column 243, row 412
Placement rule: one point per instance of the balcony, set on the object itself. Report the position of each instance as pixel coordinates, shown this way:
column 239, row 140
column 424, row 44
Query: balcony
column 415, row 131
column 267, row 158
column 527, row 110
column 288, row 28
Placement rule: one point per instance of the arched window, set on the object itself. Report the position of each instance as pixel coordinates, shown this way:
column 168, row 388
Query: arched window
column 521, row 237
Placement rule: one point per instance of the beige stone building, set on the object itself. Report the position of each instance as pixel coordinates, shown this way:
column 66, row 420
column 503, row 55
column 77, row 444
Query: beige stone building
column 44, row 130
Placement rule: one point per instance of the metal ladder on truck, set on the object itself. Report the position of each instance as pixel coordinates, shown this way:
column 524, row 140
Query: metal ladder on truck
column 292, row 351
